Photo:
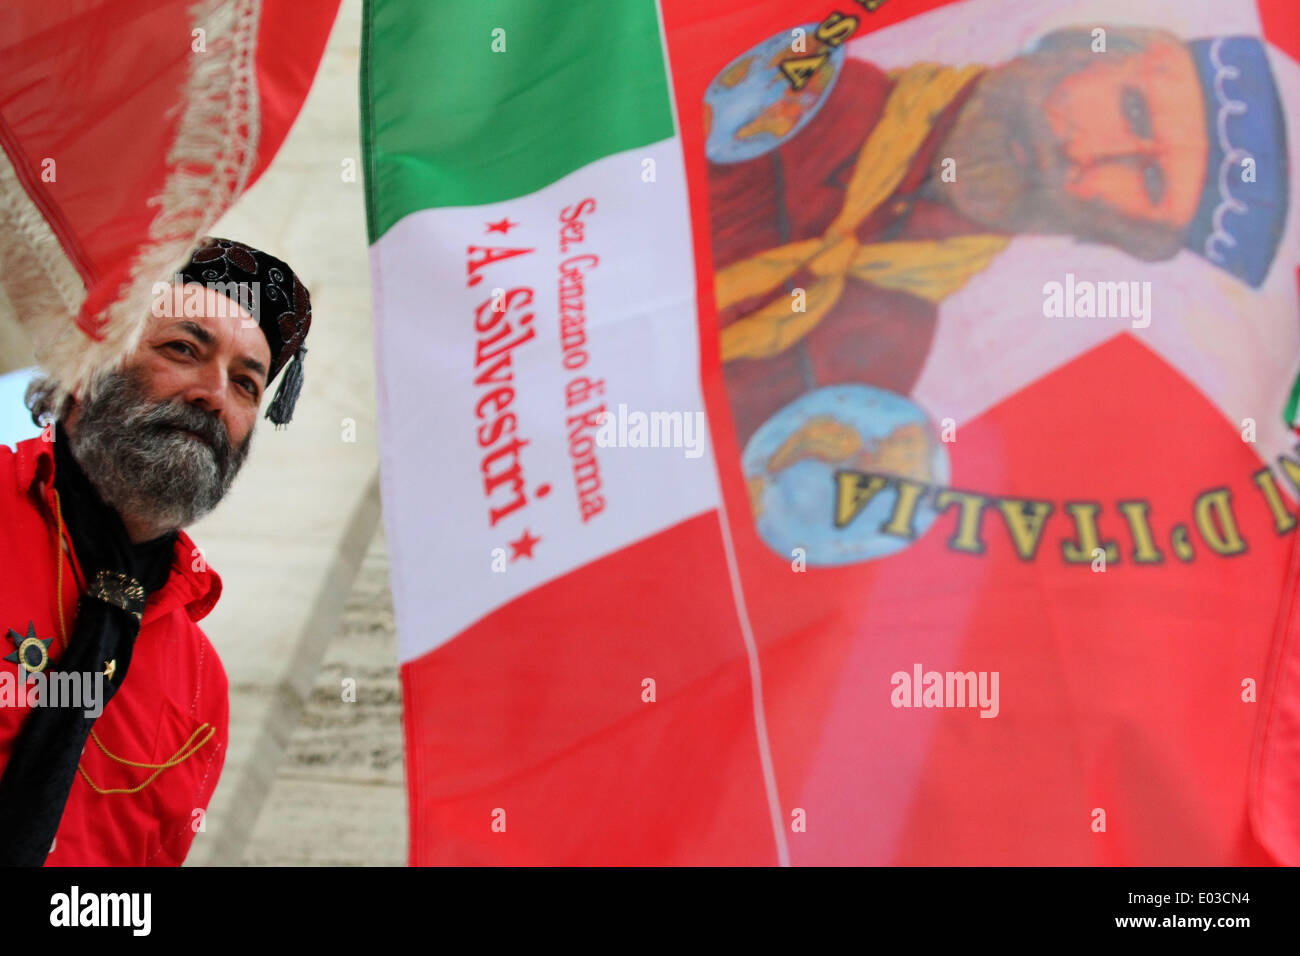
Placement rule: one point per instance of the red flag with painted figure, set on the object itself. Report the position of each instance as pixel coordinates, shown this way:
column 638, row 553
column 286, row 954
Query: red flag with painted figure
column 128, row 128
column 849, row 432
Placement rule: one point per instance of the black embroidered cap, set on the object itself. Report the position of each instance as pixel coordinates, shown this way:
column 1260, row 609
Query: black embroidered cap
column 277, row 300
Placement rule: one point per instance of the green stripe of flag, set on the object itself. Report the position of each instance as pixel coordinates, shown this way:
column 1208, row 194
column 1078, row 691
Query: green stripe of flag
column 1291, row 414
column 448, row 121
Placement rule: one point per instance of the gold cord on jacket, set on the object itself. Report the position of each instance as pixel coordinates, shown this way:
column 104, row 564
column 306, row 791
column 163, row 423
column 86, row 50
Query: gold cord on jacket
column 188, row 749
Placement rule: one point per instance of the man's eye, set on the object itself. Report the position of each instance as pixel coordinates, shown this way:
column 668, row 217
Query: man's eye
column 249, row 386
column 1134, row 106
column 183, row 347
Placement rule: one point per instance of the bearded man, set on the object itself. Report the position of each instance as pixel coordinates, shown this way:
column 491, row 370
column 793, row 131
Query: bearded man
column 103, row 579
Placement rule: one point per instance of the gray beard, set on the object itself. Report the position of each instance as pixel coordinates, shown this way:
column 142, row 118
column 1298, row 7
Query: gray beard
column 136, row 455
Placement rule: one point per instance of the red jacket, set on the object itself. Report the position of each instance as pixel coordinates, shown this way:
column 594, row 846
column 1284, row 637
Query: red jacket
column 176, row 683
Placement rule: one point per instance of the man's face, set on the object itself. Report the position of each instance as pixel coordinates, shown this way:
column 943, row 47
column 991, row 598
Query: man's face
column 163, row 439
column 216, row 362
column 1110, row 147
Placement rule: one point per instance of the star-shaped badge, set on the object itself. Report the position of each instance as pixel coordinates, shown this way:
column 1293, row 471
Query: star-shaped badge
column 31, row 653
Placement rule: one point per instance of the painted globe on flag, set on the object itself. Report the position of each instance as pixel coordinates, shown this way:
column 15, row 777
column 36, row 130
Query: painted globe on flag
column 791, row 461
column 751, row 106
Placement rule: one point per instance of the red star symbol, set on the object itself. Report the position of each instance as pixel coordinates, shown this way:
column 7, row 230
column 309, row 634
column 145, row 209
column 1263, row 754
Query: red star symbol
column 504, row 226
column 523, row 548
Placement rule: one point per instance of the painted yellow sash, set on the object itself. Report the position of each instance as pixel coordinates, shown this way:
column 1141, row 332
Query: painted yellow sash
column 929, row 268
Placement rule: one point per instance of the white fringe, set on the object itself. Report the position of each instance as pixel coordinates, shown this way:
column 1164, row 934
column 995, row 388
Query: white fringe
column 42, row 289
column 209, row 165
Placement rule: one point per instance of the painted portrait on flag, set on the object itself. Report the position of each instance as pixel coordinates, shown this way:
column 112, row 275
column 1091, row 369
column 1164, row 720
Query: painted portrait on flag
column 849, row 202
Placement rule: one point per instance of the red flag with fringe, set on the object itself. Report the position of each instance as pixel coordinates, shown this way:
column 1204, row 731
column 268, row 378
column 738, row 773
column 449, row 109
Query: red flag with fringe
column 128, row 128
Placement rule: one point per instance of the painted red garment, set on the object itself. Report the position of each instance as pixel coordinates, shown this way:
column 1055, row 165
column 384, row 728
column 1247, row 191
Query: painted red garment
column 872, row 334
column 175, row 684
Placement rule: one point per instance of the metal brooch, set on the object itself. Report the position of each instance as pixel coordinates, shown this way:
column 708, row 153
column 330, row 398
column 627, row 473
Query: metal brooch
column 119, row 590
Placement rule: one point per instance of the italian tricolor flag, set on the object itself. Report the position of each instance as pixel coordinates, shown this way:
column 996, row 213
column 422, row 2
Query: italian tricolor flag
column 617, row 649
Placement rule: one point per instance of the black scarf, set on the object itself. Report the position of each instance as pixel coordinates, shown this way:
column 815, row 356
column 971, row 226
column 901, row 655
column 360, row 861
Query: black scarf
column 43, row 765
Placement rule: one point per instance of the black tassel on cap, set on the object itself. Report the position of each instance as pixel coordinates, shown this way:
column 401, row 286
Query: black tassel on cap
column 280, row 410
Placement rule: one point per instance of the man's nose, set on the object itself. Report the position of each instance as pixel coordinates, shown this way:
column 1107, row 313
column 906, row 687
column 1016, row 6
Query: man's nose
column 208, row 389
column 1087, row 144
